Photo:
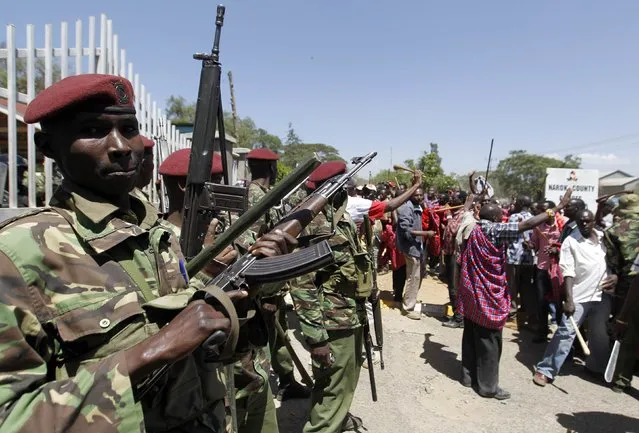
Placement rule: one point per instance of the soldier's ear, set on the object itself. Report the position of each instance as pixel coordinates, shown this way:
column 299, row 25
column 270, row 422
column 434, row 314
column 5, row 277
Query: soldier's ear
column 44, row 143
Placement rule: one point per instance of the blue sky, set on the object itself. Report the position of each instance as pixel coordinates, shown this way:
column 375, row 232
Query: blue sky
column 550, row 77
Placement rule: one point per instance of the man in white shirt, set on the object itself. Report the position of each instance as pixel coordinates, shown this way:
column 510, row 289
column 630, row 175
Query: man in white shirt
column 583, row 265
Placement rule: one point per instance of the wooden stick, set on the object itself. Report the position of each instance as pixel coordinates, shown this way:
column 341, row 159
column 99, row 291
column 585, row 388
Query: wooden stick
column 403, row 168
column 582, row 342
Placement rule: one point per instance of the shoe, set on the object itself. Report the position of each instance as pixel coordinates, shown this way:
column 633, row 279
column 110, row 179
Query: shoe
column 292, row 391
column 540, row 379
column 414, row 315
column 375, row 360
column 352, row 423
column 452, row 323
column 499, row 395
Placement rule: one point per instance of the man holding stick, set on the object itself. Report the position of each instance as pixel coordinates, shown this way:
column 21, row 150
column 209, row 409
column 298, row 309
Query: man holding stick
column 583, row 265
column 484, row 300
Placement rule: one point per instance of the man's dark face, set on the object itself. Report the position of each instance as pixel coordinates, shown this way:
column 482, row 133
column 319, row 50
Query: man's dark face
column 146, row 171
column 101, row 152
column 383, row 194
column 574, row 206
column 432, row 193
column 418, row 196
column 401, row 188
column 586, row 223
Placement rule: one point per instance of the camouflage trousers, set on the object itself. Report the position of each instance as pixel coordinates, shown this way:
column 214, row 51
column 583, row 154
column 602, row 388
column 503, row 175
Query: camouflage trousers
column 628, row 353
column 335, row 386
column 256, row 412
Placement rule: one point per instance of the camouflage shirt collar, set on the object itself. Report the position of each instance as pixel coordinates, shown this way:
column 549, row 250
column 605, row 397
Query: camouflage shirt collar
column 100, row 223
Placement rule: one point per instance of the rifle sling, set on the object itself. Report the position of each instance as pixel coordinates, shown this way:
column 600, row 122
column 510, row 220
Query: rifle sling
column 223, row 299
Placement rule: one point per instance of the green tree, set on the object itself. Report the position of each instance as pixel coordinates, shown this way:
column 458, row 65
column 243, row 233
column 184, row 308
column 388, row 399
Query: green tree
column 179, row 111
column 525, row 173
column 297, row 153
column 430, row 164
column 291, row 136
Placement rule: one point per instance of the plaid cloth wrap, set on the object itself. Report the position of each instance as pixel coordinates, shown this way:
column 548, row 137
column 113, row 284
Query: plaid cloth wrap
column 483, row 293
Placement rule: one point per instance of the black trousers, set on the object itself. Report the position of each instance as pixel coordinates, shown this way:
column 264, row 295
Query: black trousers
column 544, row 286
column 452, row 282
column 399, row 280
column 481, row 351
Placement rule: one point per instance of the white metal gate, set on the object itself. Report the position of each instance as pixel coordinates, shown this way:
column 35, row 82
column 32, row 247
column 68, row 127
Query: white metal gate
column 69, row 57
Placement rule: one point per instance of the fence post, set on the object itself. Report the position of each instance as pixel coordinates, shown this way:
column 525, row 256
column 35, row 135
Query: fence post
column 91, row 68
column 102, row 60
column 79, row 47
column 12, row 125
column 48, row 80
column 31, row 150
column 64, row 47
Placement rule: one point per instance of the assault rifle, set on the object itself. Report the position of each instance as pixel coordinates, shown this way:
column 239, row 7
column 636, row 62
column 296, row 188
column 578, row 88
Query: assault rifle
column 198, row 209
column 376, row 313
column 250, row 270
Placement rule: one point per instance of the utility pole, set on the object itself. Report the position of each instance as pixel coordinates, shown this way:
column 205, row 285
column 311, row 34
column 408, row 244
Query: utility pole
column 233, row 107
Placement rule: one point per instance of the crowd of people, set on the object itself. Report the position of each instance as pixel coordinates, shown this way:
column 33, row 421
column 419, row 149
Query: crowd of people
column 105, row 331
column 550, row 268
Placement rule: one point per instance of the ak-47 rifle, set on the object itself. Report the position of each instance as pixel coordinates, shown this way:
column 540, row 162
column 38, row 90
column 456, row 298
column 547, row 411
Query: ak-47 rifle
column 250, row 270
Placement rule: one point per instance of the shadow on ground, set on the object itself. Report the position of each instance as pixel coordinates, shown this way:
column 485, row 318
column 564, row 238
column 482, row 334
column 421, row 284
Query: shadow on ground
column 598, row 422
column 444, row 361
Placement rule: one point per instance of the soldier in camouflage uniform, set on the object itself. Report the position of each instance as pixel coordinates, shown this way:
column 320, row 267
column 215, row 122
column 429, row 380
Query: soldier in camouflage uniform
column 253, row 397
column 92, row 297
column 263, row 166
column 622, row 244
column 331, row 317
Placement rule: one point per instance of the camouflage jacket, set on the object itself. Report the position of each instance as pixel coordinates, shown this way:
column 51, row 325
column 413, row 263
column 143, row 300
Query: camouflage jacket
column 82, row 282
column 326, row 300
column 251, row 372
column 622, row 240
column 256, row 192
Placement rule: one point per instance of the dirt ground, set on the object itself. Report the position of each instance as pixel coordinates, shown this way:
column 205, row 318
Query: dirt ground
column 419, row 390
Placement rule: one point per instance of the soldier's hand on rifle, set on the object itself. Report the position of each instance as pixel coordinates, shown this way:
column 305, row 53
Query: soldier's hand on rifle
column 274, row 243
column 323, row 355
column 224, row 259
column 185, row 333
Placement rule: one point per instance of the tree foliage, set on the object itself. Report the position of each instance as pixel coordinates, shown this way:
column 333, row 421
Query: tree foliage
column 525, row 173
column 430, row 164
column 179, row 111
column 296, row 153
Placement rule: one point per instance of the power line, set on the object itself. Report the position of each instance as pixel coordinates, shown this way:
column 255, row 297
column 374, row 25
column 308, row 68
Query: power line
column 596, row 143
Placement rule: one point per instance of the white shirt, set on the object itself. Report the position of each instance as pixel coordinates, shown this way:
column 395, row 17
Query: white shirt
column 585, row 261
column 357, row 207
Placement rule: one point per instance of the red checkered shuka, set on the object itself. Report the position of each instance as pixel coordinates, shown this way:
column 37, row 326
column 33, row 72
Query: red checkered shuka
column 483, row 293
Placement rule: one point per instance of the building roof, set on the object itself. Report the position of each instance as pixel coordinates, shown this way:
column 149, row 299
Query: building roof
column 619, row 181
column 617, row 174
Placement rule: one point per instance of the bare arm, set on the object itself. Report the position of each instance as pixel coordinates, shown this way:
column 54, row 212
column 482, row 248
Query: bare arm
column 538, row 220
column 396, row 202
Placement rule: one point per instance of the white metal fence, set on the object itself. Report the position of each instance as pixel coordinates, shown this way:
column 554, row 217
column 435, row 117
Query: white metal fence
column 70, row 57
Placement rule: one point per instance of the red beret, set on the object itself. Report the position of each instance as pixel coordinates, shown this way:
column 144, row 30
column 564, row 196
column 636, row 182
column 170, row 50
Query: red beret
column 177, row 163
column 107, row 90
column 263, row 154
column 148, row 143
column 327, row 170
